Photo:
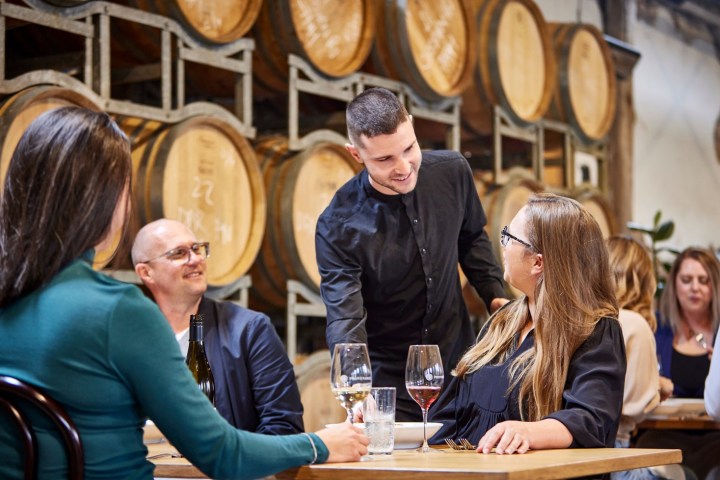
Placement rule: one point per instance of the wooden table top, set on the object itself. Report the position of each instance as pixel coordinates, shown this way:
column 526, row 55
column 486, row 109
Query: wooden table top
column 697, row 422
column 449, row 464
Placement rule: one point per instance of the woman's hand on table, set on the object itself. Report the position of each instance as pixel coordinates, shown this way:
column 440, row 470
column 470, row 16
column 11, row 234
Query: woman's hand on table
column 345, row 442
column 506, row 437
column 519, row 437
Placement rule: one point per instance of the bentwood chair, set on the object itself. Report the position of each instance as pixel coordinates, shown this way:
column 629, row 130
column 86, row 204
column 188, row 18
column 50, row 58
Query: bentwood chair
column 12, row 390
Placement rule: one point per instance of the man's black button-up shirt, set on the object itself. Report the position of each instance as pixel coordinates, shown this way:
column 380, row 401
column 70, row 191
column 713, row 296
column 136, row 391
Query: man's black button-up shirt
column 389, row 268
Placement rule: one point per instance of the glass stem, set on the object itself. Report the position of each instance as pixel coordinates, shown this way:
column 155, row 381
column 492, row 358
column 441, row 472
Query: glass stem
column 350, row 415
column 425, row 447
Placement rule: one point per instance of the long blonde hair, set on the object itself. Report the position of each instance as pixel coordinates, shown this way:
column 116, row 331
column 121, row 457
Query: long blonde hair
column 572, row 294
column 632, row 269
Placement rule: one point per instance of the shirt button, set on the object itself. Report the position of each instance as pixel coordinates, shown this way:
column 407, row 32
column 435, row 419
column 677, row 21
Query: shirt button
column 415, row 221
column 429, row 306
column 427, row 331
column 423, row 251
column 429, row 281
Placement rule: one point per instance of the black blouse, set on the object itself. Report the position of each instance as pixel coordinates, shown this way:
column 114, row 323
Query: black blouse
column 591, row 404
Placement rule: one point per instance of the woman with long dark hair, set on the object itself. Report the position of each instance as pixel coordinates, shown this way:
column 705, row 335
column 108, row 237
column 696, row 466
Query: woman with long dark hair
column 96, row 345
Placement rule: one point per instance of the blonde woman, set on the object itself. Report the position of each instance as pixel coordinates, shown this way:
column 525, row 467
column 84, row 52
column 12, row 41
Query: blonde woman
column 548, row 369
column 634, row 279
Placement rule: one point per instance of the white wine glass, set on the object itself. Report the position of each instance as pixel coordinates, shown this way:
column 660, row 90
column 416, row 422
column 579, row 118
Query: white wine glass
column 350, row 375
column 424, row 379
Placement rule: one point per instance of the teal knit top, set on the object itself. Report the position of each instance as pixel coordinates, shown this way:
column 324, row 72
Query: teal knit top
column 107, row 354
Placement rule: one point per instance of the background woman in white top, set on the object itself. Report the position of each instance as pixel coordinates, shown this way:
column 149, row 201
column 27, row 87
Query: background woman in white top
column 635, row 284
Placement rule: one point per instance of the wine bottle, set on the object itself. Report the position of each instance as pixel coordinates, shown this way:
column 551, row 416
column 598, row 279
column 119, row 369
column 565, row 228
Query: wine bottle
column 197, row 361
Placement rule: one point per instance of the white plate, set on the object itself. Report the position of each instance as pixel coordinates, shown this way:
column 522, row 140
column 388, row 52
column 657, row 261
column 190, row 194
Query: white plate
column 408, row 434
column 679, row 407
column 691, row 406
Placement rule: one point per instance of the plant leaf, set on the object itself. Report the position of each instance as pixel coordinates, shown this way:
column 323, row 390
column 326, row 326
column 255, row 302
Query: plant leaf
column 640, row 228
column 656, row 220
column 664, row 231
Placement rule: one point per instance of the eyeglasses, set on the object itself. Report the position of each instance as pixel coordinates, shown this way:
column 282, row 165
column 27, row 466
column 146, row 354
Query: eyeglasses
column 505, row 237
column 181, row 255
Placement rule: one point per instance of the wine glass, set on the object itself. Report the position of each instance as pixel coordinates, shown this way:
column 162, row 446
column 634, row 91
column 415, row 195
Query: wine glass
column 350, row 375
column 424, row 378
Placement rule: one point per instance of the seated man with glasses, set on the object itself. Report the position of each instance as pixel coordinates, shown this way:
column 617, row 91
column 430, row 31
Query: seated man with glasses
column 255, row 387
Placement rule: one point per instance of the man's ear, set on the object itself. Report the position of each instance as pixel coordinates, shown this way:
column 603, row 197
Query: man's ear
column 144, row 272
column 352, row 149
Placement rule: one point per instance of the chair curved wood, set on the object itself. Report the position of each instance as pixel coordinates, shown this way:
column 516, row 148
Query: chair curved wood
column 12, row 389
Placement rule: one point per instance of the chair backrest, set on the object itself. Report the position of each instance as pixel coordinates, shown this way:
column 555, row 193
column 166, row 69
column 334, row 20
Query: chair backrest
column 12, row 389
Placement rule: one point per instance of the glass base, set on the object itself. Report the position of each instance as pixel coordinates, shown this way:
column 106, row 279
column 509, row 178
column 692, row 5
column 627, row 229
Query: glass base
column 430, row 450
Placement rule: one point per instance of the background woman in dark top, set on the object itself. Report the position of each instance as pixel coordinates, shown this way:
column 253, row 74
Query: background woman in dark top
column 548, row 369
column 689, row 307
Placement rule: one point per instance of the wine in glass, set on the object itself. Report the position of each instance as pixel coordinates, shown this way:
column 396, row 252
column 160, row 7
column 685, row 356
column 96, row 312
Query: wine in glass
column 424, row 379
column 350, row 375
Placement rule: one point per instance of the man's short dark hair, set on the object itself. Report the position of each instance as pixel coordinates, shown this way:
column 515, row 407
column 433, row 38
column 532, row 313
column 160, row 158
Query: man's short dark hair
column 376, row 111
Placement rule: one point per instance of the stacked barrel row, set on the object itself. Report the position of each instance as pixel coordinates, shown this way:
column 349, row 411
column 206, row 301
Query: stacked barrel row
column 257, row 203
column 237, row 195
column 492, row 52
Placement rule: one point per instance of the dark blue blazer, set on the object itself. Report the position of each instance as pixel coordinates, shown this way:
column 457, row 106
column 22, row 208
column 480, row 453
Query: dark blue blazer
column 255, row 387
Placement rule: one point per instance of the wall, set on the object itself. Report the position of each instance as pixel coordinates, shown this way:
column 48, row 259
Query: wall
column 677, row 101
column 585, row 11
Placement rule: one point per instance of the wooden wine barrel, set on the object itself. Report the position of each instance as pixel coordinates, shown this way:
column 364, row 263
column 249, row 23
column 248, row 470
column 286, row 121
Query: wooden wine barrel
column 300, row 185
column 19, row 110
column 586, row 91
column 515, row 66
column 204, row 173
column 209, row 21
column 334, row 37
column 599, row 207
column 428, row 45
column 313, row 380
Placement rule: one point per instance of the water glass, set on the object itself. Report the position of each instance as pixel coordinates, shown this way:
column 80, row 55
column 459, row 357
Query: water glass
column 379, row 418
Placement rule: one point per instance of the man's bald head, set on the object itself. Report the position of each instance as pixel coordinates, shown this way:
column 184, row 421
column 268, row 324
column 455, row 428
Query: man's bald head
column 152, row 239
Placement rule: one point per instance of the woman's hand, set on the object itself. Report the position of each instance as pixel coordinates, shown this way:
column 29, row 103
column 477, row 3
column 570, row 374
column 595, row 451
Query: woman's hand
column 506, row 437
column 519, row 437
column 666, row 388
column 345, row 442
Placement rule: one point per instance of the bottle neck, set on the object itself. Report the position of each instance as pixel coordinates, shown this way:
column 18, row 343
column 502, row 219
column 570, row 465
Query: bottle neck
column 196, row 328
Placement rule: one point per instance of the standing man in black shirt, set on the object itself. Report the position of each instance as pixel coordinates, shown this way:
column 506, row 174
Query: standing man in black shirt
column 389, row 243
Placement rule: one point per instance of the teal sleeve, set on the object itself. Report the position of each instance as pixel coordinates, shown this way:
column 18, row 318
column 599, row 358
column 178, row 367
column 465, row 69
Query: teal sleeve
column 322, row 450
column 143, row 350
